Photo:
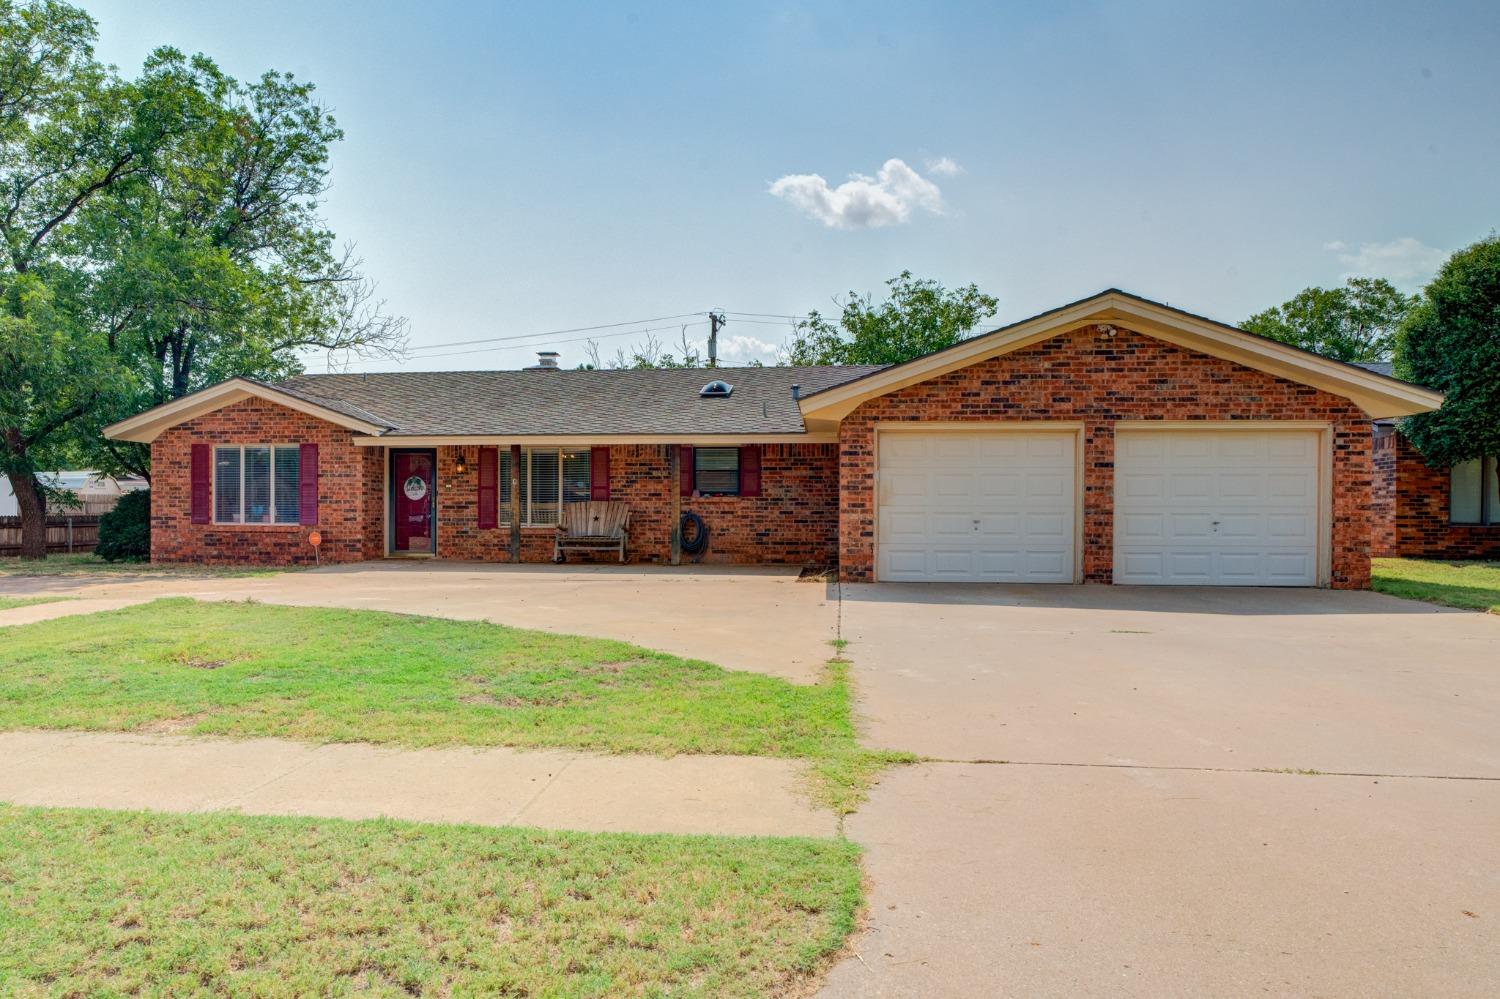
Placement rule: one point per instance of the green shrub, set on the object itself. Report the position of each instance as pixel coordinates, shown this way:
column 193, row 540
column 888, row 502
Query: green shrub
column 125, row 531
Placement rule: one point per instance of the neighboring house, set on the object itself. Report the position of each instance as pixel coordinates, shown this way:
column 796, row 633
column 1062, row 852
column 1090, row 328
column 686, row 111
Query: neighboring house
column 1114, row 439
column 96, row 493
column 1422, row 511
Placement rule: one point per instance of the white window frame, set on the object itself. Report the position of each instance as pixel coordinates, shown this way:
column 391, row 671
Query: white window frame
column 1489, row 514
column 273, row 522
column 502, row 487
column 739, row 458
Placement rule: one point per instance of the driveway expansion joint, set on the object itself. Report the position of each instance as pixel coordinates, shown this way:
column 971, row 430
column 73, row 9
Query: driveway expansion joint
column 1282, row 771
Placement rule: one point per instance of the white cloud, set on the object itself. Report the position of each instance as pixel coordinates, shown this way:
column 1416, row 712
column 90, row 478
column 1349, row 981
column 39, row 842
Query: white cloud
column 1406, row 261
column 862, row 202
column 943, row 166
column 744, row 349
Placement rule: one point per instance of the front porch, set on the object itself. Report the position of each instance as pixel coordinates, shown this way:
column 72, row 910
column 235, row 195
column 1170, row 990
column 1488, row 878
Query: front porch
column 767, row 504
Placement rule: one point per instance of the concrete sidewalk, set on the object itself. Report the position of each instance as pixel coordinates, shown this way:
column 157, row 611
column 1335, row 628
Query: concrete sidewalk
column 730, row 795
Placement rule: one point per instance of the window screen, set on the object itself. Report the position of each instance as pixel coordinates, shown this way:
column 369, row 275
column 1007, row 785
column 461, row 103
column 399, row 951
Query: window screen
column 227, row 485
column 257, row 485
column 1465, row 493
column 545, row 487
column 716, row 470
column 576, row 484
column 288, row 479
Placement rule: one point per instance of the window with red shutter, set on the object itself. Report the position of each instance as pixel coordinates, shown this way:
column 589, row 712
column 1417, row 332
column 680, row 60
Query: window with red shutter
column 201, row 472
column 750, row 470
column 685, row 469
column 599, row 474
column 307, row 486
column 489, row 479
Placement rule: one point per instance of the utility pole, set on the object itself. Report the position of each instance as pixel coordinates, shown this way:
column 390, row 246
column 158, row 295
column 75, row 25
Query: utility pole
column 715, row 322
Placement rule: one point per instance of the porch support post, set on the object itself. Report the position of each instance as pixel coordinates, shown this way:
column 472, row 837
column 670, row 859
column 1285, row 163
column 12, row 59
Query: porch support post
column 515, row 502
column 674, row 470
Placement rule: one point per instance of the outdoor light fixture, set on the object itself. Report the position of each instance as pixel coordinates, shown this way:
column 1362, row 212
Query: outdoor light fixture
column 460, row 465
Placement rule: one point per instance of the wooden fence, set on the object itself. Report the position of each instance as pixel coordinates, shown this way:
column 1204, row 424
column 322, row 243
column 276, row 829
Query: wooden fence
column 65, row 533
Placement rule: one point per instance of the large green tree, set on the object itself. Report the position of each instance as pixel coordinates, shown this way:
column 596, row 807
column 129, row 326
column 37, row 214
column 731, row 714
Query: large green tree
column 158, row 234
column 70, row 131
column 216, row 263
column 1451, row 342
column 1357, row 322
column 917, row 317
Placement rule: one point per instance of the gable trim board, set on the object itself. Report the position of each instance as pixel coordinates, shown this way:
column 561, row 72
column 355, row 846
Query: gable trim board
column 1379, row 395
column 146, row 427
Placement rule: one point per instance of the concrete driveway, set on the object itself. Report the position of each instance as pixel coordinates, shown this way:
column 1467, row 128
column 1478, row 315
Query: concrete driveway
column 1137, row 850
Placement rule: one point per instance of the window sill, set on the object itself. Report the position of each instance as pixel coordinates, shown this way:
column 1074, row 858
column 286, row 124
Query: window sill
column 259, row 527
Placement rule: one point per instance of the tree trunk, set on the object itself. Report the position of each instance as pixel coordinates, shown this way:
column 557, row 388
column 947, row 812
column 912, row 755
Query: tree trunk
column 33, row 507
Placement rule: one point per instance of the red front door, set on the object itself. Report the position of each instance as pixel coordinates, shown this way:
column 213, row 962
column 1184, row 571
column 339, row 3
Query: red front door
column 413, row 501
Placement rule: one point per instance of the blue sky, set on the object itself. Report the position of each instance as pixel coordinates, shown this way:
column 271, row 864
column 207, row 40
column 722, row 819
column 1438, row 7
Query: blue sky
column 515, row 169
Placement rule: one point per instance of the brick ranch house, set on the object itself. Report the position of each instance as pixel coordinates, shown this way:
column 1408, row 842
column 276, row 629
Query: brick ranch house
column 1431, row 511
column 1114, row 439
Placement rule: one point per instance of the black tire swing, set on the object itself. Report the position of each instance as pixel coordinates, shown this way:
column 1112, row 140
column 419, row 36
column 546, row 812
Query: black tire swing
column 696, row 542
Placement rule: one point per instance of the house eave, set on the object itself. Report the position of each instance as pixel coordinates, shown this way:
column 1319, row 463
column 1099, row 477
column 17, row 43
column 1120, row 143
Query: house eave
column 589, row 440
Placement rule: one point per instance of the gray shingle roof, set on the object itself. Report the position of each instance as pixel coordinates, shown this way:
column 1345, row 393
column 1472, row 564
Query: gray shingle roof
column 565, row 402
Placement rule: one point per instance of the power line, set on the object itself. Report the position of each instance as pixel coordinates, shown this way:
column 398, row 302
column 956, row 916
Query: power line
column 486, row 350
column 576, row 329
column 767, row 315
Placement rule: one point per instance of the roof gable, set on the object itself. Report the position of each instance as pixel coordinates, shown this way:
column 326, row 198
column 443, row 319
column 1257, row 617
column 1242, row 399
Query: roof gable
column 1379, row 395
column 147, row 426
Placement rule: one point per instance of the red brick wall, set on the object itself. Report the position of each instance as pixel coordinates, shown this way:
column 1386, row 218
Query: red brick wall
column 794, row 521
column 350, row 511
column 1383, row 494
column 1086, row 377
column 1414, row 511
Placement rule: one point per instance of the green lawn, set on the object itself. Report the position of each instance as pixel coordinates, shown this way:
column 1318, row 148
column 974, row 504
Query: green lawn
column 88, row 564
column 247, row 669
column 6, row 603
column 1471, row 585
column 132, row 903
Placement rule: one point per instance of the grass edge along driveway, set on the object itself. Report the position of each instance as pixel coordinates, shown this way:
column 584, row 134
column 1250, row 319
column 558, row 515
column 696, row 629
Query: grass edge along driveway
column 123, row 903
column 1470, row 585
column 252, row 670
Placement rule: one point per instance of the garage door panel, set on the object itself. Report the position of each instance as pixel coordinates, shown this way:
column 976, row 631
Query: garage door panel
column 1297, row 449
column 1050, row 526
column 1001, row 485
column 1196, row 486
column 1291, row 485
column 1290, row 565
column 1241, row 485
column 991, row 448
column 1233, row 507
column 1141, row 529
column 977, row 506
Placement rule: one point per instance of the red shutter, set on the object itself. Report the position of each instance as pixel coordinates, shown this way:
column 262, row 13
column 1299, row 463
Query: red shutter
column 599, row 473
column 750, row 470
column 202, row 477
column 489, row 475
column 307, row 486
column 685, row 468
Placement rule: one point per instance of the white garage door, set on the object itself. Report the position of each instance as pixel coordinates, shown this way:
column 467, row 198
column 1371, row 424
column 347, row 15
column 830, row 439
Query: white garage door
column 1218, row 508
column 976, row 507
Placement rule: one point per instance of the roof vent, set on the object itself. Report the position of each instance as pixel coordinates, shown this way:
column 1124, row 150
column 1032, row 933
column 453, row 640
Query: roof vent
column 716, row 390
column 546, row 360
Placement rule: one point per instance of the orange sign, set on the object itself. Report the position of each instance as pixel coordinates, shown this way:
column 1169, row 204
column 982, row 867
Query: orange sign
column 315, row 539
